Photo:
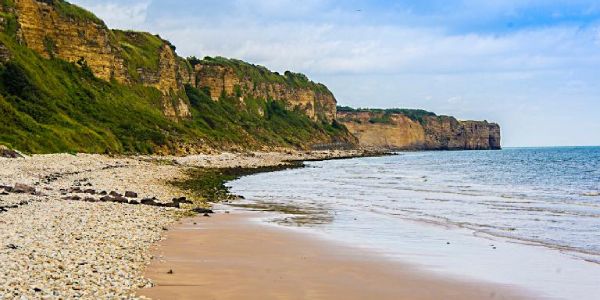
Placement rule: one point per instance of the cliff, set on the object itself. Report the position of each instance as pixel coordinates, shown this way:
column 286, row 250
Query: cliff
column 69, row 83
column 418, row 130
column 235, row 78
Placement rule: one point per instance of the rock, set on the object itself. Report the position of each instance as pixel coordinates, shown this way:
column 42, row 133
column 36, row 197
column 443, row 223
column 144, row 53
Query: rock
column 90, row 199
column 148, row 201
column 170, row 272
column 23, row 189
column 115, row 194
column 206, row 215
column 106, row 199
column 90, row 191
column 134, row 202
column 3, row 194
column 172, row 204
column 72, row 198
column 103, row 193
column 130, row 194
column 182, row 200
column 9, row 153
column 120, row 199
column 12, row 246
column 75, row 190
column 201, row 210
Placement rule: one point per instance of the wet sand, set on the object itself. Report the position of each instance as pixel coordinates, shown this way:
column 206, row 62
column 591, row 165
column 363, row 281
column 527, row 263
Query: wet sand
column 230, row 256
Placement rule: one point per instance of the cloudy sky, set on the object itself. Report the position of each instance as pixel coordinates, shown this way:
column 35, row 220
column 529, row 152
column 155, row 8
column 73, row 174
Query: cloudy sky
column 531, row 65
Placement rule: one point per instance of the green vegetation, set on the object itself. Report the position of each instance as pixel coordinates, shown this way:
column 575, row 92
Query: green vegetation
column 56, row 106
column 51, row 105
column 208, row 184
column 259, row 74
column 141, row 51
column 75, row 12
column 255, row 122
column 383, row 115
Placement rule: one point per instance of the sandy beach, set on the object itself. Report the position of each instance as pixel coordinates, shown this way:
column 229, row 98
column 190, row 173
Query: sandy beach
column 70, row 229
column 230, row 256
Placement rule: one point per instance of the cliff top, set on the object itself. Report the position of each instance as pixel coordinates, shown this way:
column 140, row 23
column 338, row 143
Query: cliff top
column 260, row 74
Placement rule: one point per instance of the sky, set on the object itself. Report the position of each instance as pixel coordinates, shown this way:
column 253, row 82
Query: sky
column 533, row 66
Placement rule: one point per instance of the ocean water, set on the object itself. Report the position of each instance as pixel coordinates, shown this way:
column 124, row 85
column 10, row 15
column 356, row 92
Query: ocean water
column 532, row 215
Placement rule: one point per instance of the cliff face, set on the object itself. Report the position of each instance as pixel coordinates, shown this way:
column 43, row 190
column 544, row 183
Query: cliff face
column 234, row 78
column 58, row 29
column 400, row 132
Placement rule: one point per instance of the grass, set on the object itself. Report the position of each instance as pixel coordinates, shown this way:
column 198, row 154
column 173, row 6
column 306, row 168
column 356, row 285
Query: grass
column 259, row 74
column 51, row 105
column 384, row 115
column 140, row 50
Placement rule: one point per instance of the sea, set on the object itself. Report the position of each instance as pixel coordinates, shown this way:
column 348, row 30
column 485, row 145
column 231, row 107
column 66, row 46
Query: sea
column 527, row 218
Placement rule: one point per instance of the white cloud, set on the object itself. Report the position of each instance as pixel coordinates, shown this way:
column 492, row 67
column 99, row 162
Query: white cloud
column 119, row 14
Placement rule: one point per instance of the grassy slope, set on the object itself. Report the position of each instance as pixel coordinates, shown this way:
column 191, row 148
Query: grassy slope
column 383, row 115
column 49, row 105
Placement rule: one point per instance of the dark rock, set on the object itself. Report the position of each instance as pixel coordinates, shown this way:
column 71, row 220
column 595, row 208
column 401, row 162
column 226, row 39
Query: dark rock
column 106, row 199
column 9, row 153
column 201, row 210
column 170, row 272
column 89, row 199
column 182, row 200
column 72, row 198
column 23, row 189
column 75, row 190
column 120, row 199
column 12, row 246
column 130, row 194
column 115, row 194
column 103, row 193
column 37, row 290
column 90, row 191
column 148, row 201
column 3, row 194
column 172, row 204
column 134, row 202
column 206, row 215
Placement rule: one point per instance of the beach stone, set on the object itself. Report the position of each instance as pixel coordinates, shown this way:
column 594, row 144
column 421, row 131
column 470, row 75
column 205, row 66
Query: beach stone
column 90, row 191
column 75, row 190
column 103, row 193
column 134, row 202
column 120, row 199
column 89, row 199
column 9, row 153
column 201, row 210
column 115, row 194
column 106, row 199
column 130, row 194
column 23, row 189
column 148, row 201
column 182, row 200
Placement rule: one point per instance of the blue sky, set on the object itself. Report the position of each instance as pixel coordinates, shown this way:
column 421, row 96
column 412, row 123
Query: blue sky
column 531, row 65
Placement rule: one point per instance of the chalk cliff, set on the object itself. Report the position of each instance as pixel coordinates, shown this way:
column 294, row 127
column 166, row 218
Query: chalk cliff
column 420, row 131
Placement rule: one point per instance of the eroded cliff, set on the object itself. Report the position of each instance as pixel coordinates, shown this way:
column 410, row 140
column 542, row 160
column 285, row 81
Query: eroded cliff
column 418, row 130
column 235, row 78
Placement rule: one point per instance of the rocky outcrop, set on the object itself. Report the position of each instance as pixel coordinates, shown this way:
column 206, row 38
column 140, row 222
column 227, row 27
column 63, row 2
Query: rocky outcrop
column 232, row 78
column 51, row 32
column 55, row 28
column 398, row 131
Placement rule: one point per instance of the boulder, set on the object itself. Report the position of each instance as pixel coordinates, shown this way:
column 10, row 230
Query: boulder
column 115, row 194
column 20, row 188
column 9, row 153
column 201, row 210
column 106, row 199
column 130, row 194
column 182, row 200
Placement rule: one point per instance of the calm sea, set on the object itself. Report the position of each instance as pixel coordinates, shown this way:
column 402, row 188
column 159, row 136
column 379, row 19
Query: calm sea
column 513, row 210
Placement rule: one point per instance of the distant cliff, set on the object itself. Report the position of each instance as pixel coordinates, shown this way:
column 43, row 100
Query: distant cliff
column 418, row 130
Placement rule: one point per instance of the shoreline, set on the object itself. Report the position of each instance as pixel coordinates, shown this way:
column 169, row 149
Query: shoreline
column 230, row 256
column 62, row 235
